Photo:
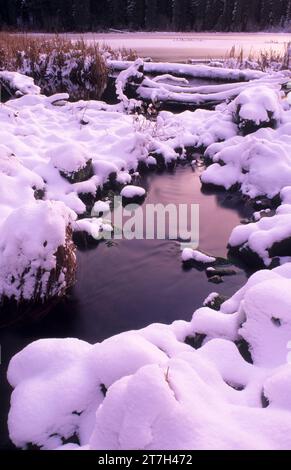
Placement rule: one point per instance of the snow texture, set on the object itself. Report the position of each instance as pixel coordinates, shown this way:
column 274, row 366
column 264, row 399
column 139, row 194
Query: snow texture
column 149, row 389
column 160, row 392
column 188, row 255
column 131, row 192
column 19, row 83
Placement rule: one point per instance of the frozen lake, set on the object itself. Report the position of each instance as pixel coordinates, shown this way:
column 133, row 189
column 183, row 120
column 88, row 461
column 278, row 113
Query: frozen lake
column 182, row 46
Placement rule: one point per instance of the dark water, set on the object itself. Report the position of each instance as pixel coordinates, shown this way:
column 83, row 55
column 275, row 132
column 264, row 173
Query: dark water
column 134, row 283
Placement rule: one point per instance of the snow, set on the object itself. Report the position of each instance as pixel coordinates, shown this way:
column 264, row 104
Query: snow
column 257, row 105
column 100, row 207
column 161, row 393
column 68, row 157
column 151, row 89
column 210, row 299
column 188, row 255
column 48, row 140
column 131, row 192
column 19, row 83
column 189, row 70
column 95, row 228
column 28, row 250
column 259, row 163
column 260, row 237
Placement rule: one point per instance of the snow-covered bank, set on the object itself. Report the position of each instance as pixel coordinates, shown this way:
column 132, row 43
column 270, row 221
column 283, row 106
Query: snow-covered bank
column 151, row 390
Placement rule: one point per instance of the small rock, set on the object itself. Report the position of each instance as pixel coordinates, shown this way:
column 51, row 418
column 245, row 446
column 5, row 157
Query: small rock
column 215, row 279
column 215, row 301
column 211, row 272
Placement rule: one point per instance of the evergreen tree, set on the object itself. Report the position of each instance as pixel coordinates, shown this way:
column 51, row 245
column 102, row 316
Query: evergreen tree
column 181, row 15
column 117, row 14
column 81, row 15
column 198, row 13
column 136, row 13
column 237, row 16
column 181, row 19
column 151, row 14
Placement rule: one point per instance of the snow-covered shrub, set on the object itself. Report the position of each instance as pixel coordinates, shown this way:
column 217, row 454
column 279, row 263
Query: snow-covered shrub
column 256, row 107
column 37, row 254
column 150, row 390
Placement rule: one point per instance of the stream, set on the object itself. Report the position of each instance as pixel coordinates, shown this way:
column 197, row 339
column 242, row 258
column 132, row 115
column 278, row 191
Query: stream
column 128, row 285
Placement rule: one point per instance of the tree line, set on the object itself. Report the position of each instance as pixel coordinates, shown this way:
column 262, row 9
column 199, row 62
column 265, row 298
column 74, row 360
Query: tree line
column 178, row 15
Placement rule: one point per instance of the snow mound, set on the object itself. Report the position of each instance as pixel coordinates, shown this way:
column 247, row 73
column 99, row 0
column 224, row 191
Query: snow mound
column 131, row 192
column 69, row 157
column 269, row 238
column 30, row 252
column 259, row 163
column 100, row 207
column 257, row 107
column 151, row 390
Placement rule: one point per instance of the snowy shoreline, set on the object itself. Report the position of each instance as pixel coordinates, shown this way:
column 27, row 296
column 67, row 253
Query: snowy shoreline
column 55, row 152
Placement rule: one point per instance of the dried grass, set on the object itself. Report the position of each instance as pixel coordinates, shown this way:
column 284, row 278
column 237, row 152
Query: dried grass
column 60, row 64
column 54, row 59
column 265, row 61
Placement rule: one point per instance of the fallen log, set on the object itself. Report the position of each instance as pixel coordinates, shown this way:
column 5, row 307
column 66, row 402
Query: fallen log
column 190, row 70
column 132, row 84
